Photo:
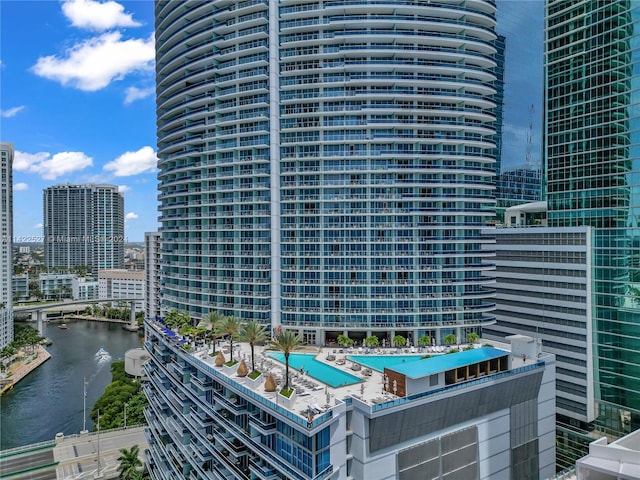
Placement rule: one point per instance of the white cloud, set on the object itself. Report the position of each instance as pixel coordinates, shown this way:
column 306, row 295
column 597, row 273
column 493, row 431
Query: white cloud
column 20, row 186
column 12, row 112
column 123, row 188
column 51, row 167
column 92, row 15
column 96, row 62
column 134, row 93
column 133, row 163
column 38, row 225
column 131, row 216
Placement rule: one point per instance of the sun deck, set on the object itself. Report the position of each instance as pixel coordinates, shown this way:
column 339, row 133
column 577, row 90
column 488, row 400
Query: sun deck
column 311, row 394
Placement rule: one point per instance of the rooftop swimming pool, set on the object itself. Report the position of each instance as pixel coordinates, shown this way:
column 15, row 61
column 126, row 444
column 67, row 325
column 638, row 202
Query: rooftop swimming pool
column 379, row 362
column 332, row 376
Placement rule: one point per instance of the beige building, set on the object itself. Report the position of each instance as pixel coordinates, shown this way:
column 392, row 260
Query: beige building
column 122, row 284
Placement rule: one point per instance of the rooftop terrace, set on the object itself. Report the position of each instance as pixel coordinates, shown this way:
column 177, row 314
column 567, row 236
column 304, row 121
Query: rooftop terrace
column 318, row 397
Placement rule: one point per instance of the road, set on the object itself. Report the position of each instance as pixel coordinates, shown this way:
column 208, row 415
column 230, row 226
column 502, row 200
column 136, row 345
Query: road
column 75, row 457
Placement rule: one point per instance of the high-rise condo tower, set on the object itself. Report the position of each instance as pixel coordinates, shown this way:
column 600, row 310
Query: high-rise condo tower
column 328, row 166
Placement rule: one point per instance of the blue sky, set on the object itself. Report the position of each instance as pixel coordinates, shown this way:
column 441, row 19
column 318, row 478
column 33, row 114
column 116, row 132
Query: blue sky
column 77, row 99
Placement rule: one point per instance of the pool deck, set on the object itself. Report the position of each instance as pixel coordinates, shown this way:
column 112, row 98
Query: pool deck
column 311, row 393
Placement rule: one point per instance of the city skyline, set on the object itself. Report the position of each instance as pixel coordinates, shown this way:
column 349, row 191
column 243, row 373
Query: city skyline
column 78, row 100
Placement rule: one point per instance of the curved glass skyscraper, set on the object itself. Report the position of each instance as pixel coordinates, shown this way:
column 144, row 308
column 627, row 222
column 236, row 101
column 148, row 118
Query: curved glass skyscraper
column 328, row 165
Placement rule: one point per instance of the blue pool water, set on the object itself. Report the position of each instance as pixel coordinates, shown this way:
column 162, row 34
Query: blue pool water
column 316, row 369
column 379, row 362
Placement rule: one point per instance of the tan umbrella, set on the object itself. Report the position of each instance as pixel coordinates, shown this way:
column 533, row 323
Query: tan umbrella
column 270, row 384
column 242, row 369
column 220, row 360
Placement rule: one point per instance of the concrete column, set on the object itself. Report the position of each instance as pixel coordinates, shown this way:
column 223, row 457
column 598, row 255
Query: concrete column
column 41, row 317
column 132, row 319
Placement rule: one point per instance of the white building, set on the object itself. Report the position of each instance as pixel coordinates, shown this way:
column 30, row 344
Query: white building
column 56, row 286
column 618, row 460
column 20, row 287
column 6, row 243
column 152, row 274
column 485, row 413
column 544, row 289
column 84, row 288
column 122, row 284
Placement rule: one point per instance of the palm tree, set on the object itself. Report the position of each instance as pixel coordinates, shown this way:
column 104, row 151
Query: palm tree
column 129, row 463
column 210, row 322
column 472, row 337
column 344, row 341
column 450, row 339
column 228, row 326
column 399, row 341
column 371, row 341
column 424, row 341
column 286, row 342
column 253, row 332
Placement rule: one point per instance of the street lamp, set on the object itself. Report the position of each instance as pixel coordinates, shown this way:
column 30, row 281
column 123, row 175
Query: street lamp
column 99, row 444
column 125, row 414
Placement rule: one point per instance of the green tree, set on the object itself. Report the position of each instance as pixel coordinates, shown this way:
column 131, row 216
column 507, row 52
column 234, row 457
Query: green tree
column 210, row 321
column 286, row 342
column 399, row 341
column 424, row 341
column 472, row 337
column 253, row 332
column 344, row 341
column 450, row 339
column 122, row 389
column 130, row 464
column 371, row 341
column 228, row 326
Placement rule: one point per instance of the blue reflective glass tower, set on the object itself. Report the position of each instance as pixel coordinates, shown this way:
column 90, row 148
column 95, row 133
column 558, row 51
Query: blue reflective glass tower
column 592, row 170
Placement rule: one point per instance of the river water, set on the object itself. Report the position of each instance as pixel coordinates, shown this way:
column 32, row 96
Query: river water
column 50, row 399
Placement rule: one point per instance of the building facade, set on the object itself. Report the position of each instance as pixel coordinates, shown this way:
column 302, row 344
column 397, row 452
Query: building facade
column 83, row 226
column 56, row 286
column 6, row 243
column 591, row 168
column 544, row 288
column 122, row 284
column 515, row 187
column 492, row 421
column 152, row 296
column 327, row 168
column 84, row 288
column 20, row 287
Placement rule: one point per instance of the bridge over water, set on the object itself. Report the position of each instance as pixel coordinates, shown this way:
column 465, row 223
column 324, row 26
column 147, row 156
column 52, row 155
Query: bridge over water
column 39, row 312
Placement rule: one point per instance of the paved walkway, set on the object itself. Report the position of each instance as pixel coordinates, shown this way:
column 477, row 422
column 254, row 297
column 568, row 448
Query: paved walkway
column 21, row 369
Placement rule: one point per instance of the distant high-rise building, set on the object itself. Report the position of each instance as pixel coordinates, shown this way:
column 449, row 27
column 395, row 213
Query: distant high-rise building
column 591, row 171
column 328, row 167
column 152, row 274
column 515, row 187
column 84, row 226
column 6, row 244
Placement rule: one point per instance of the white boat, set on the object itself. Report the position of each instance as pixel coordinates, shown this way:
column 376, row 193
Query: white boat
column 102, row 353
